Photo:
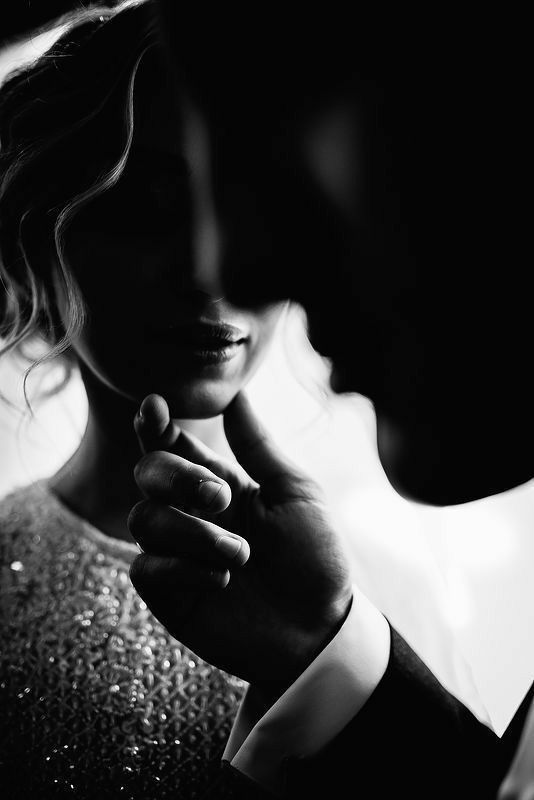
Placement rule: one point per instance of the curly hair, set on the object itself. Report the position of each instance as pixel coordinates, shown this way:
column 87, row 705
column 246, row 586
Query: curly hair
column 74, row 99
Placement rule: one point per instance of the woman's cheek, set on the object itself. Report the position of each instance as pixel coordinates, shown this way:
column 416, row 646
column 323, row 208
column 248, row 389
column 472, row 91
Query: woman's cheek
column 265, row 325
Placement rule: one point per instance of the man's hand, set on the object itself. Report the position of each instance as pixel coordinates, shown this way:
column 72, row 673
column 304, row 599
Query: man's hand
column 240, row 562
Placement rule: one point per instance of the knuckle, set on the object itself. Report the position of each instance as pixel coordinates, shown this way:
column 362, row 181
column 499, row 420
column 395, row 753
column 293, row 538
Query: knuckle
column 183, row 477
column 148, row 522
column 138, row 569
column 137, row 516
column 153, row 471
column 143, row 466
column 174, row 478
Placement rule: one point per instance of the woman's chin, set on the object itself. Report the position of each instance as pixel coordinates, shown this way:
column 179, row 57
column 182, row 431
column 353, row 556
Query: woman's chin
column 197, row 402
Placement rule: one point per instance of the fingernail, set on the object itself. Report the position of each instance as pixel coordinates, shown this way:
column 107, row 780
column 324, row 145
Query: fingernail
column 228, row 546
column 208, row 491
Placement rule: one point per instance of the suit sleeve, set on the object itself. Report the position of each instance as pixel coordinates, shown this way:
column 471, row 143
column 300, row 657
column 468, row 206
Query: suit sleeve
column 438, row 750
column 350, row 727
column 411, row 739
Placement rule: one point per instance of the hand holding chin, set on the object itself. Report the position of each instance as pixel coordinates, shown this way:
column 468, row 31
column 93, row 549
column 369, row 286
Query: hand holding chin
column 239, row 561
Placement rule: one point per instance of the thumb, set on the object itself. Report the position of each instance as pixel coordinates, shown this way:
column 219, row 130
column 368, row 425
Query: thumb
column 253, row 447
column 154, row 427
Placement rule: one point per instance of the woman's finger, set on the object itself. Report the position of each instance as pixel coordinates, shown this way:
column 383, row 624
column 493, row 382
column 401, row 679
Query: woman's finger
column 178, row 482
column 162, row 530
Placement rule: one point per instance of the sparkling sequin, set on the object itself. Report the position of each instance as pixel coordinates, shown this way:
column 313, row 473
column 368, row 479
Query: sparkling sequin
column 97, row 699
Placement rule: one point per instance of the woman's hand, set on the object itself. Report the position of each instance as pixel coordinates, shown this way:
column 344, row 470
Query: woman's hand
column 240, row 562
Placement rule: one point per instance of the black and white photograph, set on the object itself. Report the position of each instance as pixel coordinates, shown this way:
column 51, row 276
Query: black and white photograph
column 266, row 402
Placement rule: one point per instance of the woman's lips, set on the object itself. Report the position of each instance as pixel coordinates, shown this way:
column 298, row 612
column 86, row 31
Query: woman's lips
column 203, row 343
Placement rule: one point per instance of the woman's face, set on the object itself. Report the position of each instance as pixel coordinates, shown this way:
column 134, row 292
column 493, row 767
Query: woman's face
column 144, row 255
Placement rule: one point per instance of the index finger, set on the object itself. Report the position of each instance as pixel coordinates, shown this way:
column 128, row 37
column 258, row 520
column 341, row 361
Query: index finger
column 157, row 430
column 179, row 482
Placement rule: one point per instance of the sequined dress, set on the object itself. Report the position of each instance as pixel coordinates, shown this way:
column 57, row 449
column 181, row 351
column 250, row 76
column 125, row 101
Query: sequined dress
column 97, row 700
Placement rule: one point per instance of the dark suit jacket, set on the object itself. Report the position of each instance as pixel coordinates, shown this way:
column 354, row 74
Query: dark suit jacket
column 411, row 740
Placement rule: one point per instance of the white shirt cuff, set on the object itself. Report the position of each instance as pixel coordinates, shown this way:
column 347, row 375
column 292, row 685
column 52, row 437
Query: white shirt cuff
column 318, row 705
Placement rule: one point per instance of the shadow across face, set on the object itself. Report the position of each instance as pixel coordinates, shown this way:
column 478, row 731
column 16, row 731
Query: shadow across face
column 376, row 175
column 155, row 322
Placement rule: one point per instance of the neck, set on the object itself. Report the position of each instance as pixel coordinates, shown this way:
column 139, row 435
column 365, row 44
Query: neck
column 97, row 482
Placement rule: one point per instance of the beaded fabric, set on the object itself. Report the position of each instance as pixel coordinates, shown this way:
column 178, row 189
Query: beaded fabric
column 97, row 700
